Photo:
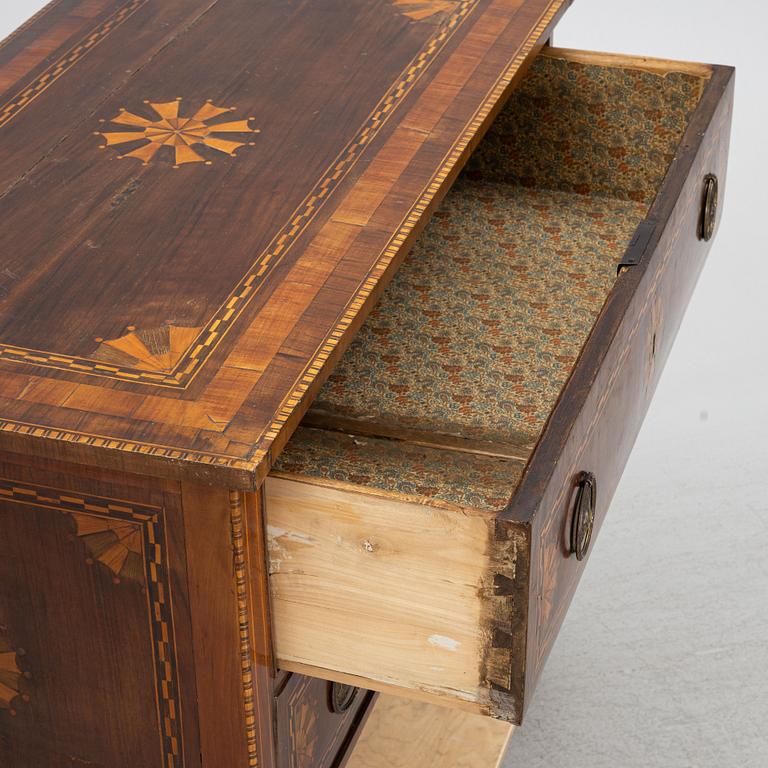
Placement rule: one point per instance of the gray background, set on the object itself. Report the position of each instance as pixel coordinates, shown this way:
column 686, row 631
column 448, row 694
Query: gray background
column 663, row 659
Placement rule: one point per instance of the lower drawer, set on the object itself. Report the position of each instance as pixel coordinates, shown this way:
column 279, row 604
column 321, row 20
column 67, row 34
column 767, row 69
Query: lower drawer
column 402, row 733
column 430, row 521
column 317, row 721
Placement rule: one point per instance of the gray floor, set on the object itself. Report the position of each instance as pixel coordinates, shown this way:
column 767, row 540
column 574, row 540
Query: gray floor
column 663, row 659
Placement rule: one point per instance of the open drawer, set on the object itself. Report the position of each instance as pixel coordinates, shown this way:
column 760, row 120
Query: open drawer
column 429, row 522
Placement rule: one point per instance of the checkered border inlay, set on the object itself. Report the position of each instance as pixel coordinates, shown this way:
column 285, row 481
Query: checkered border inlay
column 283, row 241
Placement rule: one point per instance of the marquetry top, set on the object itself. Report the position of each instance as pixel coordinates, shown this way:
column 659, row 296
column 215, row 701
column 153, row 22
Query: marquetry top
column 201, row 199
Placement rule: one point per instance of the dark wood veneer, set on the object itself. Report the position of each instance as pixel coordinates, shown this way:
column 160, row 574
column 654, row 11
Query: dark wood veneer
column 135, row 613
column 94, row 608
column 225, row 291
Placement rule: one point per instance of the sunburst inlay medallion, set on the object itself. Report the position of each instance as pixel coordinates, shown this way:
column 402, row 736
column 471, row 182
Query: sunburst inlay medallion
column 10, row 674
column 114, row 543
column 305, row 733
column 177, row 134
column 149, row 349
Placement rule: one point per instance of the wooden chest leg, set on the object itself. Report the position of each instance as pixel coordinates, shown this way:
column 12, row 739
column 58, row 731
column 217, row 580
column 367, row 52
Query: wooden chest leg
column 230, row 626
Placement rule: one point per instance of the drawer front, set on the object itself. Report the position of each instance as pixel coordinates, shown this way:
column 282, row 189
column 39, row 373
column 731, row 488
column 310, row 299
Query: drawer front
column 595, row 424
column 317, row 721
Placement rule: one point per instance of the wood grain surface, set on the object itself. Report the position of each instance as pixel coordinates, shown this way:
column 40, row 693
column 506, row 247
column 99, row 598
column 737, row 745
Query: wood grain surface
column 382, row 590
column 95, row 617
column 308, row 730
column 202, row 199
column 135, row 629
column 409, row 734
column 215, row 536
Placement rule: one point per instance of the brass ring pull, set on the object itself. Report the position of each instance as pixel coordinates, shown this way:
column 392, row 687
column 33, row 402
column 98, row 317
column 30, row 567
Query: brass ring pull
column 708, row 208
column 583, row 520
column 341, row 697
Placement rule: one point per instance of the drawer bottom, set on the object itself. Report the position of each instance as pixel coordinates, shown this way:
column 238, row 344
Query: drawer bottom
column 408, row 734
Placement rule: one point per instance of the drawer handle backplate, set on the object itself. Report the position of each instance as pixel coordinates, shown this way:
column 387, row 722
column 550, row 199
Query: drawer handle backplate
column 583, row 520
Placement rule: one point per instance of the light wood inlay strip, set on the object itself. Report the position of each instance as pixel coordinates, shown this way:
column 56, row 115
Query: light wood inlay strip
column 380, row 177
column 519, row 452
column 257, row 345
column 644, row 63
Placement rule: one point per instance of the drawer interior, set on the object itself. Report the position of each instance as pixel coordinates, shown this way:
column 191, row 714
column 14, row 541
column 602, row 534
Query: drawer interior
column 392, row 563
column 449, row 383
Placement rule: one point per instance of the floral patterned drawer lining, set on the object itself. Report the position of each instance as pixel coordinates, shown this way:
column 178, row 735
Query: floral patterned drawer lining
column 478, row 332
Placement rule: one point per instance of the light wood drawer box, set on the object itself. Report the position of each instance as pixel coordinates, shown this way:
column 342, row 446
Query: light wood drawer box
column 422, row 521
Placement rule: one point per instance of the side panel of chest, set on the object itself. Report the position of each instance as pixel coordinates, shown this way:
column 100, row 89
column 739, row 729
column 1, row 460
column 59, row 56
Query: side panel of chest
column 95, row 637
column 133, row 628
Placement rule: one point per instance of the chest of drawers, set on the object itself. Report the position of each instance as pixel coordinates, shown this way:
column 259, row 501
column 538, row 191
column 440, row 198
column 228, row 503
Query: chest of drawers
column 326, row 330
